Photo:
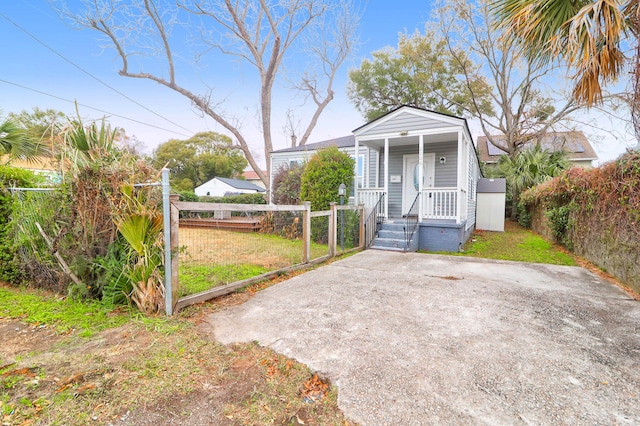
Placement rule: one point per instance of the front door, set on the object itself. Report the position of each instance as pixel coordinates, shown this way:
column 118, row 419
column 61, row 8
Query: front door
column 410, row 183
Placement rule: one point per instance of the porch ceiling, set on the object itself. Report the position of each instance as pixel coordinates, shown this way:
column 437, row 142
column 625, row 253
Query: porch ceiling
column 411, row 140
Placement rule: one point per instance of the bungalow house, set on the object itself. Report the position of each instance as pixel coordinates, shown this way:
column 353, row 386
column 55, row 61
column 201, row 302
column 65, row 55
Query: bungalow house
column 418, row 169
column 579, row 151
column 219, row 187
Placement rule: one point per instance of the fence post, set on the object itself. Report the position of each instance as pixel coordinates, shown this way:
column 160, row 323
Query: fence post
column 166, row 218
column 333, row 229
column 175, row 217
column 306, row 232
column 362, row 218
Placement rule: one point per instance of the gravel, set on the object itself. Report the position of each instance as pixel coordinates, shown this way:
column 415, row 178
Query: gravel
column 421, row 339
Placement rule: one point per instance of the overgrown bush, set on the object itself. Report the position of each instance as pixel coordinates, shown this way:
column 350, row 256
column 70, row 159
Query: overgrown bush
column 594, row 212
column 286, row 184
column 10, row 177
column 75, row 238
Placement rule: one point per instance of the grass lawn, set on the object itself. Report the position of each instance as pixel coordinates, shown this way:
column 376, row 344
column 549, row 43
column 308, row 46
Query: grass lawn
column 516, row 243
column 212, row 257
column 65, row 363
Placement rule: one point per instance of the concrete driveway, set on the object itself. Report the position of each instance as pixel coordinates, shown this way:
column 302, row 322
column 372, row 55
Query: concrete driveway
column 414, row 339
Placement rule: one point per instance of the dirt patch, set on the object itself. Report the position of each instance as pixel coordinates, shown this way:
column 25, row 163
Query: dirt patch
column 139, row 374
column 19, row 338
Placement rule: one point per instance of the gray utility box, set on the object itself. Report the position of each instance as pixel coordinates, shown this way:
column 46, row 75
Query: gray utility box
column 491, row 204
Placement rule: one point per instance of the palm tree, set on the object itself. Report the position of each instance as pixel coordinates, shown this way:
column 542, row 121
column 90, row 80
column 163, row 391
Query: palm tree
column 588, row 34
column 529, row 168
column 15, row 142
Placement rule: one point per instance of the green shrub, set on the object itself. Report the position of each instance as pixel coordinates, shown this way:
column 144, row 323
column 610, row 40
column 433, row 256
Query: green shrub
column 254, row 198
column 188, row 196
column 558, row 220
column 114, row 283
column 323, row 174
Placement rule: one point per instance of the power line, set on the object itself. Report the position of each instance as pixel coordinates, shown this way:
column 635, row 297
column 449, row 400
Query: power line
column 94, row 108
column 89, row 74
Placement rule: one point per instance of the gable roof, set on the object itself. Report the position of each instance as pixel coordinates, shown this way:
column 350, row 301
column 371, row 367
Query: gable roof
column 240, row 184
column 575, row 144
column 350, row 140
column 396, row 111
column 341, row 142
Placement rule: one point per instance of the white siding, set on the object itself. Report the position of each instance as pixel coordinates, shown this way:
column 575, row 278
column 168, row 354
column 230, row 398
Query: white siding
column 473, row 176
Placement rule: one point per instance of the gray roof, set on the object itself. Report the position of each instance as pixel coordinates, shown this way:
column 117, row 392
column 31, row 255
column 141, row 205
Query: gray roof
column 575, row 144
column 342, row 142
column 240, row 184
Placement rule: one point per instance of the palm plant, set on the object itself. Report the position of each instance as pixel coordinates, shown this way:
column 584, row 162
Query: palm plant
column 15, row 142
column 529, row 168
column 89, row 145
column 140, row 224
column 588, row 34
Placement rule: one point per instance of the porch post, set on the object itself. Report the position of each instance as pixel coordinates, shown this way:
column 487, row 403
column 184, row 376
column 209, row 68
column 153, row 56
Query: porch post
column 420, row 176
column 355, row 175
column 461, row 166
column 386, row 177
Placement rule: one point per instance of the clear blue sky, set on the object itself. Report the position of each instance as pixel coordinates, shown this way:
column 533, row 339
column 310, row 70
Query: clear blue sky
column 35, row 65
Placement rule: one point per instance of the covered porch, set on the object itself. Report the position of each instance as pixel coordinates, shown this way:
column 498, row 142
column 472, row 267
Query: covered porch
column 416, row 164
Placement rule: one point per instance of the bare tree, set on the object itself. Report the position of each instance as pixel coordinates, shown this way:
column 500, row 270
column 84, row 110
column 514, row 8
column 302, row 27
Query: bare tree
column 522, row 112
column 261, row 33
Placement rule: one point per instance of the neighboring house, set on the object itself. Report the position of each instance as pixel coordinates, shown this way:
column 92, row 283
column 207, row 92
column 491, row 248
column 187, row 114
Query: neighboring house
column 219, row 187
column 575, row 144
column 252, row 176
column 440, row 196
column 43, row 166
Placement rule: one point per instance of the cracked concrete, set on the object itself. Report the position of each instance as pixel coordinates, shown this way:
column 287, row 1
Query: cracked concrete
column 423, row 339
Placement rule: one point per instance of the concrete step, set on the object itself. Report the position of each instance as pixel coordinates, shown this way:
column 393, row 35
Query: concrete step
column 374, row 247
column 385, row 233
column 393, row 226
column 389, row 242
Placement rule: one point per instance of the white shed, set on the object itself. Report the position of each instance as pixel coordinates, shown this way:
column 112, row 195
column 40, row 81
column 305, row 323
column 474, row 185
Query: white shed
column 491, row 204
column 219, row 187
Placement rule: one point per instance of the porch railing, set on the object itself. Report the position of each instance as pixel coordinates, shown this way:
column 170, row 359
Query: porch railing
column 411, row 222
column 370, row 197
column 373, row 221
column 440, row 203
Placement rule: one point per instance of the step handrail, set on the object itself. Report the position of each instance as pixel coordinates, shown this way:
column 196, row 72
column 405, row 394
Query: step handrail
column 410, row 225
column 373, row 222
